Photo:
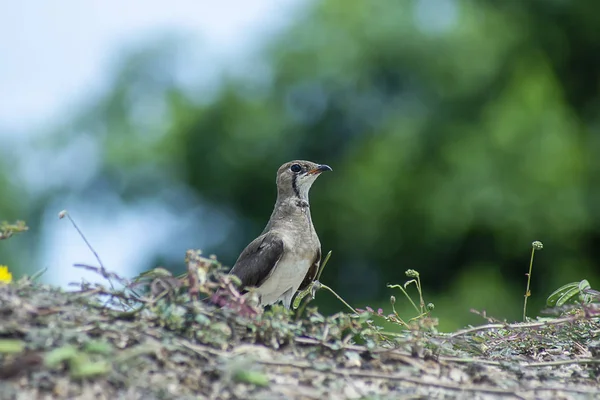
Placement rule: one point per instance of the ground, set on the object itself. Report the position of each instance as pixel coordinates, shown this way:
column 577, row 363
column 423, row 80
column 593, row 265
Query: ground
column 160, row 337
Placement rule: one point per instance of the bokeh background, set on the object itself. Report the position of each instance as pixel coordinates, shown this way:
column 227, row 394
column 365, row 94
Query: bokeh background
column 458, row 131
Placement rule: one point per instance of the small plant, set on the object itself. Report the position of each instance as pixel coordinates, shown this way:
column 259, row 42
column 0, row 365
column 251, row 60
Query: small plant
column 422, row 309
column 7, row 230
column 312, row 289
column 571, row 293
column 537, row 245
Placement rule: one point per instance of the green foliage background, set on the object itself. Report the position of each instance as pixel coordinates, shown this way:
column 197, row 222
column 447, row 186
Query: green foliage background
column 455, row 142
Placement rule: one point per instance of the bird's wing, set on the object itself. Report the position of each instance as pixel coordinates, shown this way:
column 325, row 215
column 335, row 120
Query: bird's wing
column 312, row 271
column 258, row 260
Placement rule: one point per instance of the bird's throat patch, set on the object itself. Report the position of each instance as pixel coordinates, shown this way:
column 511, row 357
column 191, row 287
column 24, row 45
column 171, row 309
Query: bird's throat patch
column 295, row 185
column 302, row 203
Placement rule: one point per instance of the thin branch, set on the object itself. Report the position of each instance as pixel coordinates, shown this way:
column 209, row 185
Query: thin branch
column 392, row 377
column 315, row 342
column 422, row 382
column 66, row 214
column 562, row 362
column 556, row 321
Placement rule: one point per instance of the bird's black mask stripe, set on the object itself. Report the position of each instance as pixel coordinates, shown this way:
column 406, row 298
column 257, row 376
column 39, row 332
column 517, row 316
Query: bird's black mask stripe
column 295, row 185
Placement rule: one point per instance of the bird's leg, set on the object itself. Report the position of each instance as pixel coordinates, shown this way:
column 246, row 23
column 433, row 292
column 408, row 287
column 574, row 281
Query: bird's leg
column 287, row 298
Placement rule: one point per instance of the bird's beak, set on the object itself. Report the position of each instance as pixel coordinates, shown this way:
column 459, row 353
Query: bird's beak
column 319, row 169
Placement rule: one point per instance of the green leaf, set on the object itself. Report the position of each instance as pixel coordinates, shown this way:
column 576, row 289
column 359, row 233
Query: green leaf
column 98, row 347
column 300, row 296
column 81, row 367
column 253, row 377
column 553, row 299
column 57, row 356
column 11, row 346
column 323, row 264
column 584, row 284
column 568, row 295
column 583, row 296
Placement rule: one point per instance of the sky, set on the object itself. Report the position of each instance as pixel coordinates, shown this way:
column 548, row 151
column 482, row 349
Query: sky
column 54, row 54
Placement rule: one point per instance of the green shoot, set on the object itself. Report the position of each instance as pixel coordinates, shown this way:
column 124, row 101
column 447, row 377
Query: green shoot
column 537, row 245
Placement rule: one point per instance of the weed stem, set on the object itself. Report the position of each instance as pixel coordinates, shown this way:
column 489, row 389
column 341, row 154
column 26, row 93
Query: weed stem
column 535, row 245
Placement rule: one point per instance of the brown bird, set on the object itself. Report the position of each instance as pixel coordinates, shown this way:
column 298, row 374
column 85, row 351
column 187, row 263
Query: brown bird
column 286, row 256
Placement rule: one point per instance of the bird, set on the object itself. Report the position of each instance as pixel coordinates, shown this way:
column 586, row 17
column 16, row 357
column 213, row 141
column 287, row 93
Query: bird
column 286, row 256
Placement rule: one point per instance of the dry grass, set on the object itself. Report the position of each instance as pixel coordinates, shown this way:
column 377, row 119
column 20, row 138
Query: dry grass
column 159, row 338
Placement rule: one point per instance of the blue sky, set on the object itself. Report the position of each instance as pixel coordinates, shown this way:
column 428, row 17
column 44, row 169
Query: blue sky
column 54, row 55
column 54, row 52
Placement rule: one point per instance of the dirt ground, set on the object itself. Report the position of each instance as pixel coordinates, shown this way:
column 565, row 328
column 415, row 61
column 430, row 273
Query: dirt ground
column 154, row 341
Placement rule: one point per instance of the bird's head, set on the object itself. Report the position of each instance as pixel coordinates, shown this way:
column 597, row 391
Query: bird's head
column 295, row 178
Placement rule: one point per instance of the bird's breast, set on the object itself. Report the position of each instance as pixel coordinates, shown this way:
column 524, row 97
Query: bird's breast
column 288, row 275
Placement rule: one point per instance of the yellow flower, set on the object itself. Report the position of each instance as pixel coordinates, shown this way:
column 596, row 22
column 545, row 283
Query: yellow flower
column 5, row 275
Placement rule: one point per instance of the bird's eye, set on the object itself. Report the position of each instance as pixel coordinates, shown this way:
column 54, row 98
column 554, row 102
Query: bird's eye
column 296, row 168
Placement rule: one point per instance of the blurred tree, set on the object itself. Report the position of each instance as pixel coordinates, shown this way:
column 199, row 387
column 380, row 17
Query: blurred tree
column 459, row 132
